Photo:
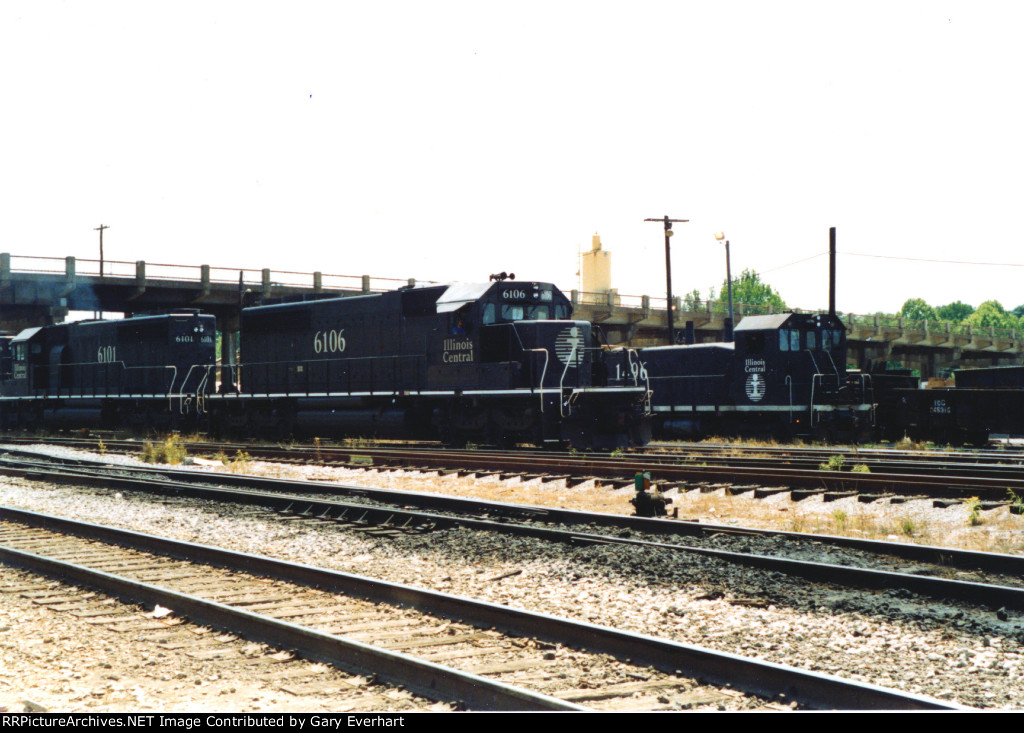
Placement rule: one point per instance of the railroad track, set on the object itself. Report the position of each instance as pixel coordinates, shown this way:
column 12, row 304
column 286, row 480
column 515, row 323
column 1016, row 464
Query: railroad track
column 979, row 578
column 993, row 484
column 482, row 655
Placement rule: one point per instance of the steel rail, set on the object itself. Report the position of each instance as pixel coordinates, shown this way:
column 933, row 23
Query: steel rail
column 433, row 681
column 937, row 587
column 945, row 556
column 665, row 468
column 756, row 677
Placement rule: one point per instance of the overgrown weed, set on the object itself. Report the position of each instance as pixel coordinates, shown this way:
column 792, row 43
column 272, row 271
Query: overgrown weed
column 172, row 451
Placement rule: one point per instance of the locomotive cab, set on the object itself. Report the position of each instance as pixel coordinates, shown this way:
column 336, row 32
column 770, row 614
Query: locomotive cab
column 795, row 363
column 793, row 352
column 523, row 325
column 783, row 375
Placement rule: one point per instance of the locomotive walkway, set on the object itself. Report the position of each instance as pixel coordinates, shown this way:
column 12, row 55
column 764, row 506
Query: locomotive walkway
column 40, row 290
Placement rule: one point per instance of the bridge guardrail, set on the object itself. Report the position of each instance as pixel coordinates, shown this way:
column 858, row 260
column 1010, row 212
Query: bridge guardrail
column 72, row 266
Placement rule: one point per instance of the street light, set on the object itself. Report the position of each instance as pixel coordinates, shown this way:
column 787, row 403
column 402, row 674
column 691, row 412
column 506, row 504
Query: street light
column 728, row 278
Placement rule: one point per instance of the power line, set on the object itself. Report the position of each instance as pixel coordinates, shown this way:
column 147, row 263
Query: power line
column 894, row 257
column 805, row 259
column 942, row 262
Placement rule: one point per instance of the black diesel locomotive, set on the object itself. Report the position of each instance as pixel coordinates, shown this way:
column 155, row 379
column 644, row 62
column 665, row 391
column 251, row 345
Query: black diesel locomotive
column 498, row 362
column 139, row 372
column 783, row 375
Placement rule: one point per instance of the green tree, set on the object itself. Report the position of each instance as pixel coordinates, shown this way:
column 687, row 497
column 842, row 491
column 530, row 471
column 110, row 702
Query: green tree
column 992, row 313
column 1018, row 311
column 748, row 289
column 918, row 310
column 956, row 312
column 692, row 301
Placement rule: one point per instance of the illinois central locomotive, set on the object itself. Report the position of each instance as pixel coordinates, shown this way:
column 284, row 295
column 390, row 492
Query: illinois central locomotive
column 496, row 362
column 148, row 371
column 783, row 375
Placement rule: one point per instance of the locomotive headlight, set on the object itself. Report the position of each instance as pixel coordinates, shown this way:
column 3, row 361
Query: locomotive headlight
column 546, row 295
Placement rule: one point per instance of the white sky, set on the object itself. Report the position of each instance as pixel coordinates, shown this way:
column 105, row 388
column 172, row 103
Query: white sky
column 449, row 140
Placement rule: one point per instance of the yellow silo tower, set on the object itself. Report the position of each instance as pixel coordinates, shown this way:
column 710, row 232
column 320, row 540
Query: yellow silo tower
column 595, row 270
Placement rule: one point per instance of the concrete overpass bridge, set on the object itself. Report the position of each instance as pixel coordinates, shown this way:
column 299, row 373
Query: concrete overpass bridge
column 36, row 291
column 933, row 347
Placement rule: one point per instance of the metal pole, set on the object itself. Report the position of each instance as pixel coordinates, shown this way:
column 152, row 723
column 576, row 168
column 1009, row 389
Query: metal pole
column 728, row 278
column 100, row 229
column 668, row 272
column 668, row 280
column 832, row 271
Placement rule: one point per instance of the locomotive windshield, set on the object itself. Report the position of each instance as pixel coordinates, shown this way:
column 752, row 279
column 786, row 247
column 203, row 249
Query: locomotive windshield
column 523, row 312
column 790, row 339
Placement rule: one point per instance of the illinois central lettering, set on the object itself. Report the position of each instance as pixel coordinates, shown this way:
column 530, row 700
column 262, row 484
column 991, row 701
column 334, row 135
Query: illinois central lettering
column 457, row 350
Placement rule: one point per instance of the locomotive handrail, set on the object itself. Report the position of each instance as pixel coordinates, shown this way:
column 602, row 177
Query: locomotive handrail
column 638, row 370
column 201, row 388
column 543, row 373
column 789, row 383
column 90, row 391
column 561, row 383
column 835, row 367
column 867, row 385
column 182, row 396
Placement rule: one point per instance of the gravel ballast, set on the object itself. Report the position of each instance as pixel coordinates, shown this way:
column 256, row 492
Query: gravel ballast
column 955, row 652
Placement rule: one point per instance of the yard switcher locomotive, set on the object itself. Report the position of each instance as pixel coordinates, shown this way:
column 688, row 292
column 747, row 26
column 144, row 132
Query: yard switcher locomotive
column 783, row 375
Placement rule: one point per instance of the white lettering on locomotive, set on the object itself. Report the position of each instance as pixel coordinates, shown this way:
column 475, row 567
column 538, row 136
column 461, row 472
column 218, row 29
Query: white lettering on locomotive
column 514, row 294
column 106, row 354
column 752, row 366
column 330, row 341
column 457, row 351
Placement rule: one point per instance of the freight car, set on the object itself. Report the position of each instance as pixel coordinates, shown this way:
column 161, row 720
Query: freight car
column 499, row 363
column 148, row 371
column 982, row 401
column 783, row 375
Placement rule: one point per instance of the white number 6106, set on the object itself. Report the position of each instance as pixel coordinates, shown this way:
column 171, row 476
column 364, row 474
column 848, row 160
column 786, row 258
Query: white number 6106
column 326, row 342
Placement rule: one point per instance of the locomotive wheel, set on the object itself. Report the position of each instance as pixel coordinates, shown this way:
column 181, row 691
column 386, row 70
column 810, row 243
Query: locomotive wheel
column 578, row 438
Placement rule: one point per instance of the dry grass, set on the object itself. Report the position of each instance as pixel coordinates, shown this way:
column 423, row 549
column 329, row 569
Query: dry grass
column 964, row 526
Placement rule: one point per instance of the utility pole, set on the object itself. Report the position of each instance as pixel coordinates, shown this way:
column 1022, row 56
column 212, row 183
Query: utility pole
column 668, row 270
column 100, row 229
